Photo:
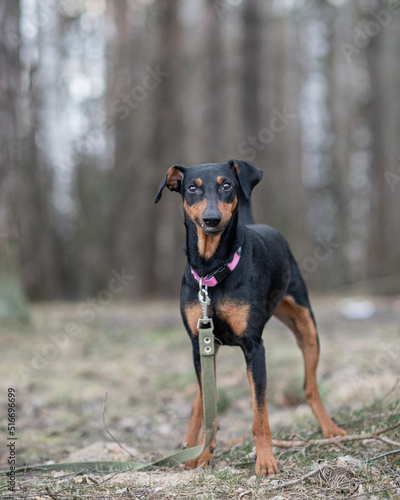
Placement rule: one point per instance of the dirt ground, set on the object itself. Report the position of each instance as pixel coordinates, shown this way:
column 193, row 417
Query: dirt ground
column 64, row 362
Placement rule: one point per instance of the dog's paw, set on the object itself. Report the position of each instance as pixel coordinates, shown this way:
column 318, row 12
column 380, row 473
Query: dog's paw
column 332, row 430
column 202, row 461
column 266, row 466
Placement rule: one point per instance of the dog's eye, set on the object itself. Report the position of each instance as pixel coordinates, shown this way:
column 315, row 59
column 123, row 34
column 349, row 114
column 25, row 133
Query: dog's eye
column 226, row 186
column 192, row 189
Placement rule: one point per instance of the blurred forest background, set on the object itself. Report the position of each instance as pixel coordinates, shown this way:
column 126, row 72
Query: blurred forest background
column 99, row 97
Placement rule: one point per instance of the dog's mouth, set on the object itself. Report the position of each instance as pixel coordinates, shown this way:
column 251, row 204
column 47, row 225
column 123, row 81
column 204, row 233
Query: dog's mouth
column 211, row 230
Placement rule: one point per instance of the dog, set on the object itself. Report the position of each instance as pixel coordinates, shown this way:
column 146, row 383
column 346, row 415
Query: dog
column 252, row 275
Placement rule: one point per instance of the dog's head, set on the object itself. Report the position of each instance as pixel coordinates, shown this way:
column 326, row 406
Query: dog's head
column 210, row 192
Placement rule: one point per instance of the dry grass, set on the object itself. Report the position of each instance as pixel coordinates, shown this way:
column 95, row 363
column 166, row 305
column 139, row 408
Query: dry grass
column 141, row 356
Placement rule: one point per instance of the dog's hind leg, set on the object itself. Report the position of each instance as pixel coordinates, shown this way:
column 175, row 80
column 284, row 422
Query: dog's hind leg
column 294, row 311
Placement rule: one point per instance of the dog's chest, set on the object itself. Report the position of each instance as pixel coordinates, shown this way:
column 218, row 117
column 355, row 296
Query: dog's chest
column 231, row 318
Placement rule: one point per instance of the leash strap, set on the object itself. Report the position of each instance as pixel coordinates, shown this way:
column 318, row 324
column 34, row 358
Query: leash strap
column 207, row 357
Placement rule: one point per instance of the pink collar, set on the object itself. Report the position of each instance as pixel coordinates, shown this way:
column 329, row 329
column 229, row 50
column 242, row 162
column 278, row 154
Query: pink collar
column 217, row 276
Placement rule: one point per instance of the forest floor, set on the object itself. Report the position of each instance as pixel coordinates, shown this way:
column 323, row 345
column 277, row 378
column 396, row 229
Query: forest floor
column 61, row 367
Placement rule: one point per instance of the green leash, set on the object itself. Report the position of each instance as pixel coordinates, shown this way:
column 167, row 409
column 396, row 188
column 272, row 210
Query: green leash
column 207, row 356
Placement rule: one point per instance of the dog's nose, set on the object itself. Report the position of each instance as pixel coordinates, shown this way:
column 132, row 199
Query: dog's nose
column 212, row 221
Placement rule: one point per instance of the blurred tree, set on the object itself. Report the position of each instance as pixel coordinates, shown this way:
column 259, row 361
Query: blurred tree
column 116, row 92
column 383, row 254
column 164, row 222
column 214, row 70
column 251, row 66
column 12, row 301
column 40, row 262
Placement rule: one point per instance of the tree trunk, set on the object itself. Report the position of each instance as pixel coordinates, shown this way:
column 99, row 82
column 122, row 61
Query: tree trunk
column 12, row 302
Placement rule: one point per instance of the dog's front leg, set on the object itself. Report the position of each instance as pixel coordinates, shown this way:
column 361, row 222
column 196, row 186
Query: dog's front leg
column 257, row 375
column 195, row 422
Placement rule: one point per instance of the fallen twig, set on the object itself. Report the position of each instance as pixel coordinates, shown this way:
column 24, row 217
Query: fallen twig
column 109, row 433
column 359, row 420
column 382, row 455
column 293, row 482
column 339, row 439
column 368, row 417
column 54, row 497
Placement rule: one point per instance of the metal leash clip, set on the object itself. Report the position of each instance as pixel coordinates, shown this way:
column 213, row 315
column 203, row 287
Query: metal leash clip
column 205, row 302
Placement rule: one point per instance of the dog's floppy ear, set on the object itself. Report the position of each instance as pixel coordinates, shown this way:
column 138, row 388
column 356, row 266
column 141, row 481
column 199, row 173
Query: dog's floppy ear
column 173, row 180
column 248, row 175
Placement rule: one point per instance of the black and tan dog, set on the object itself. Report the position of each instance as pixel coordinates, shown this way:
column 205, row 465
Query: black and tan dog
column 251, row 275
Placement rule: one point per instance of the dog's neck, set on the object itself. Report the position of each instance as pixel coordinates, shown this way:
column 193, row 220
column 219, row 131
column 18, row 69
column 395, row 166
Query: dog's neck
column 206, row 253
